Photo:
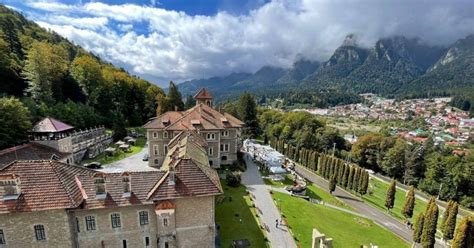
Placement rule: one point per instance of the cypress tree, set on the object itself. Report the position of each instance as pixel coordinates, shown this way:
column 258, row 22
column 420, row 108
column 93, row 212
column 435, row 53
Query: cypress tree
column 390, row 197
column 331, row 168
column 364, row 183
column 322, row 167
column 446, row 214
column 409, row 205
column 351, row 176
column 450, row 223
column 420, row 219
column 340, row 172
column 464, row 237
column 332, row 183
column 316, row 161
column 346, row 175
column 428, row 239
column 355, row 180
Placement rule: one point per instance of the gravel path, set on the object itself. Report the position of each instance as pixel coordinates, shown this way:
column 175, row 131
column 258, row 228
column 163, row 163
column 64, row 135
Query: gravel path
column 251, row 178
column 132, row 163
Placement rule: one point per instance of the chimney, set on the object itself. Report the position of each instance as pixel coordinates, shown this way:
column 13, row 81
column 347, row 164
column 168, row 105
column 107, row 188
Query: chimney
column 10, row 186
column 172, row 175
column 127, row 184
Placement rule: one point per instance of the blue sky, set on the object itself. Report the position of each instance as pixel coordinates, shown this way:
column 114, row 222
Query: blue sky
column 162, row 40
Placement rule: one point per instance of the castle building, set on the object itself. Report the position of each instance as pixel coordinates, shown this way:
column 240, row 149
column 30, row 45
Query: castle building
column 53, row 204
column 82, row 144
column 221, row 131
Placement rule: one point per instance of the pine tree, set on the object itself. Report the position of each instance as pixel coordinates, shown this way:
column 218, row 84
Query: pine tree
column 418, row 228
column 464, row 237
column 390, row 197
column 350, row 178
column 450, row 223
column 332, row 183
column 428, row 239
column 345, row 176
column 409, row 205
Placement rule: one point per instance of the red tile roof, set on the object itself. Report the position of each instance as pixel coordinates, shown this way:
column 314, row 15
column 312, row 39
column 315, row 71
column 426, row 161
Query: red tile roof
column 47, row 185
column 30, row 151
column 50, row 125
column 203, row 94
column 44, row 185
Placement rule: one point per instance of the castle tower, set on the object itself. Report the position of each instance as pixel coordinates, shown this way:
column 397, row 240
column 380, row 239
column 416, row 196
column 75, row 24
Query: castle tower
column 203, row 96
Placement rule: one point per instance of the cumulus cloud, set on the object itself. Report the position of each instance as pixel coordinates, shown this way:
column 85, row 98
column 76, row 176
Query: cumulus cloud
column 179, row 46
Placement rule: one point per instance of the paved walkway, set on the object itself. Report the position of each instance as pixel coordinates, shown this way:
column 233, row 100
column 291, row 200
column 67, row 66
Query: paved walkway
column 363, row 208
column 251, row 178
column 132, row 163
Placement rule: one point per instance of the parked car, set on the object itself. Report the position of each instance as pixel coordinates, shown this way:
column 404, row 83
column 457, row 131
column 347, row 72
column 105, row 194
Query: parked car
column 93, row 165
column 146, row 157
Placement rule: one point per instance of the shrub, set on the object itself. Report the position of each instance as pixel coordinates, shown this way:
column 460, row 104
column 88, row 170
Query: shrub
column 233, row 179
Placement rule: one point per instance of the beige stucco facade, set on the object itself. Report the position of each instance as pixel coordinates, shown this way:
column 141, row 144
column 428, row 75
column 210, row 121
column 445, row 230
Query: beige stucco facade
column 19, row 231
column 228, row 138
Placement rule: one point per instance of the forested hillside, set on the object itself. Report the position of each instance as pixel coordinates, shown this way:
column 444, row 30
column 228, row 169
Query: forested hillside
column 394, row 67
column 53, row 77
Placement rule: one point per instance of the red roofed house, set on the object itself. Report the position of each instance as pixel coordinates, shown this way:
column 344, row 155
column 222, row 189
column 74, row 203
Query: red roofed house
column 221, row 131
column 53, row 204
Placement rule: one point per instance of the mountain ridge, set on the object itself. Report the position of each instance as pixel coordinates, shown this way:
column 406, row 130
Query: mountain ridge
column 394, row 66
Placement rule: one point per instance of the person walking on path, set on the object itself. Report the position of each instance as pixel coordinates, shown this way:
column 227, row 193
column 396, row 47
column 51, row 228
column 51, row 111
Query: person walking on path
column 276, row 223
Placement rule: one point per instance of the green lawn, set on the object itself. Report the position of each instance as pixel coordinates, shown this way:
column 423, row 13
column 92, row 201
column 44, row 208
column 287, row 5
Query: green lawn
column 287, row 182
column 104, row 159
column 311, row 191
column 317, row 193
column 377, row 199
column 237, row 219
column 345, row 229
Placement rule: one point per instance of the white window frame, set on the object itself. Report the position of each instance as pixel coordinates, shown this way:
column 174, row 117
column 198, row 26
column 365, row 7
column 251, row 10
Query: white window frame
column 211, row 136
column 165, row 134
column 93, row 225
column 224, row 147
column 115, row 220
column 155, row 135
column 156, row 150
column 165, row 221
column 211, row 151
column 225, row 133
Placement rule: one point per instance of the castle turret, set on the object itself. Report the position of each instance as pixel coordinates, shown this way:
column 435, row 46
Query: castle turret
column 203, row 96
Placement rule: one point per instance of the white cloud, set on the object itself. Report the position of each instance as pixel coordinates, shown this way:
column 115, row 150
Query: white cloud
column 179, row 46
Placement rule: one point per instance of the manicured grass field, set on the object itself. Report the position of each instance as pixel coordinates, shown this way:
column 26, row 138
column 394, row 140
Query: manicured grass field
column 319, row 194
column 377, row 199
column 287, row 182
column 104, row 159
column 311, row 191
column 347, row 230
column 236, row 218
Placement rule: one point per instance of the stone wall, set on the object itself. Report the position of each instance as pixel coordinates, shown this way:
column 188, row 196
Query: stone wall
column 195, row 222
column 131, row 231
column 19, row 229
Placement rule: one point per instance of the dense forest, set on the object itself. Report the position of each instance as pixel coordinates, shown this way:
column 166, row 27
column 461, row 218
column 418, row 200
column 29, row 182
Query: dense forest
column 44, row 74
